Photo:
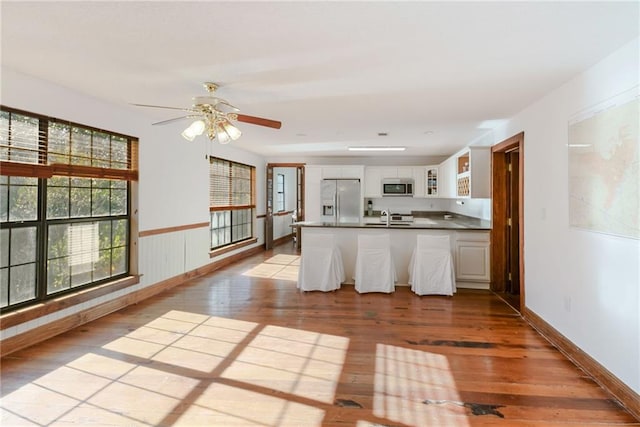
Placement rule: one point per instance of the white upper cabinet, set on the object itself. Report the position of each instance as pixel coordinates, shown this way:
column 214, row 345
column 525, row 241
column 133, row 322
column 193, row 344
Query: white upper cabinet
column 396, row 172
column 372, row 182
column 404, row 172
column 418, row 174
column 466, row 174
column 344, row 172
column 388, row 172
column 431, row 182
column 473, row 173
column 447, row 177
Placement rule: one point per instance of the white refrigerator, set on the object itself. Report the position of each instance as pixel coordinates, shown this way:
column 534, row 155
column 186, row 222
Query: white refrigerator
column 340, row 200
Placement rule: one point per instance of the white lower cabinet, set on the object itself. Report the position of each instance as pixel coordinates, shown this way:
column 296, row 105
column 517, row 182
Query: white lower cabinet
column 472, row 258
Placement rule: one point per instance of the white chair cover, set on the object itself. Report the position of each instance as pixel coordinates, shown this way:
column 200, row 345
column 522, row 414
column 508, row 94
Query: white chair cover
column 431, row 267
column 375, row 270
column 321, row 267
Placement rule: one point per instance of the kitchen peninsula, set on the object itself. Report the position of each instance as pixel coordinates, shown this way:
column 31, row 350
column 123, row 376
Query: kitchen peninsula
column 469, row 242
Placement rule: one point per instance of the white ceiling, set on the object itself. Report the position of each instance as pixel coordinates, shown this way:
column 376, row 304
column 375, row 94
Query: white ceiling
column 433, row 75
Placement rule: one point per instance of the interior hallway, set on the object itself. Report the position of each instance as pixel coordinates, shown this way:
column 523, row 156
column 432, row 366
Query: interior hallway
column 243, row 346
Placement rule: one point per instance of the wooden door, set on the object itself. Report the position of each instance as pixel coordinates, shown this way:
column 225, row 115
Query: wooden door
column 268, row 224
column 268, row 221
column 507, row 227
column 513, row 222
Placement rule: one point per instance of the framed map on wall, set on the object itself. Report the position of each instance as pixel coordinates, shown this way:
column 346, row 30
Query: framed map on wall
column 604, row 167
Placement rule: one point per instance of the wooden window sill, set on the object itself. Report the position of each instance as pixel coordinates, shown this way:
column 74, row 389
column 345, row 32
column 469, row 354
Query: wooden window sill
column 44, row 308
column 217, row 252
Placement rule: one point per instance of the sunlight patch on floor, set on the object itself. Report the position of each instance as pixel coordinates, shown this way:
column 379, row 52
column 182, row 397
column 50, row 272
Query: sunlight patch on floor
column 189, row 369
column 281, row 266
column 283, row 259
column 405, row 378
column 302, row 363
column 224, row 405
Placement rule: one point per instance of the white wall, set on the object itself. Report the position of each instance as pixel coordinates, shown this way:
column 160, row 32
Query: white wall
column 173, row 179
column 585, row 284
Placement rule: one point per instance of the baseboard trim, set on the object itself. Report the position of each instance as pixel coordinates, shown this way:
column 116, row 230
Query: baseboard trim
column 284, row 239
column 467, row 284
column 56, row 327
column 628, row 398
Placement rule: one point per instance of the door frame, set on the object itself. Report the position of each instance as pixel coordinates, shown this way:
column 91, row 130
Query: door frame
column 268, row 223
column 499, row 214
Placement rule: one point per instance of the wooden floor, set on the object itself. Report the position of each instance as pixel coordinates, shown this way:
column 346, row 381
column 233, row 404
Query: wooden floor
column 244, row 347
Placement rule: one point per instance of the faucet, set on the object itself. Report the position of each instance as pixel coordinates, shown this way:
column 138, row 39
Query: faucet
column 386, row 213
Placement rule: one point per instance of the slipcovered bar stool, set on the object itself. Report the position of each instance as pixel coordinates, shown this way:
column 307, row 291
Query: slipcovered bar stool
column 431, row 266
column 375, row 270
column 321, row 267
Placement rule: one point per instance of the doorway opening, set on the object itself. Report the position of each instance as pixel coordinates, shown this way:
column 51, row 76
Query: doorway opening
column 507, row 235
column 285, row 203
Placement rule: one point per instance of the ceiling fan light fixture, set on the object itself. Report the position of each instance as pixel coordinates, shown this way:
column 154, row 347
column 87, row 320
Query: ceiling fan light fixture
column 222, row 135
column 187, row 135
column 233, row 132
column 196, row 128
column 215, row 116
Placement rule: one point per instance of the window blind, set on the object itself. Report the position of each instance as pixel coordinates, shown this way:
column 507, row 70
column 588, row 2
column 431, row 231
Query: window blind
column 230, row 184
column 37, row 146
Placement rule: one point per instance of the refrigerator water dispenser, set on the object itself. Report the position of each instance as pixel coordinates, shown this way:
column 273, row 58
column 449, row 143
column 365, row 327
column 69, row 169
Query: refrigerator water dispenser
column 327, row 210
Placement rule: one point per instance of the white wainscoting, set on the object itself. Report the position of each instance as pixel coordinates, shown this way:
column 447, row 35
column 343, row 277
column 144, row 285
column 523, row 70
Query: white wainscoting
column 167, row 255
column 161, row 256
column 196, row 248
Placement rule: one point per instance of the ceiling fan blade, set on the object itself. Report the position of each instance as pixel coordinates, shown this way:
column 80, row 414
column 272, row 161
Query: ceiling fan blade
column 160, row 106
column 175, row 119
column 226, row 104
column 259, row 121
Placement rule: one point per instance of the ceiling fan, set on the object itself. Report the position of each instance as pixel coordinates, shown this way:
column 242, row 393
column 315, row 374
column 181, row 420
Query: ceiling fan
column 213, row 115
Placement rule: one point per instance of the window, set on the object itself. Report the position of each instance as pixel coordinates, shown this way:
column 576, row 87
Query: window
column 231, row 195
column 280, row 192
column 64, row 206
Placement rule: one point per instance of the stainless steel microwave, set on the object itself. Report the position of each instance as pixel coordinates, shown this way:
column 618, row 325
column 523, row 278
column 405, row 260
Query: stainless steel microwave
column 397, row 187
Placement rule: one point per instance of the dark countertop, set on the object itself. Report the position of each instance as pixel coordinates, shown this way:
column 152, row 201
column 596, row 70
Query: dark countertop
column 431, row 221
